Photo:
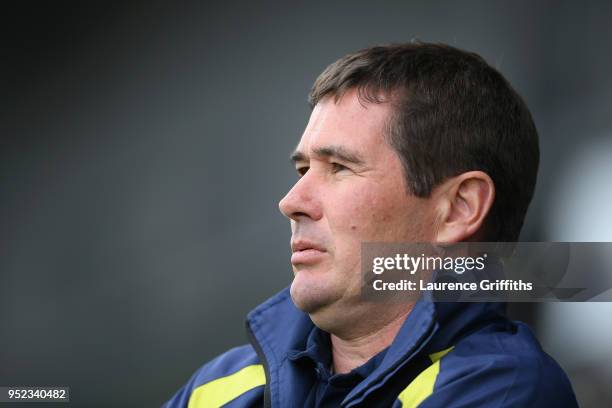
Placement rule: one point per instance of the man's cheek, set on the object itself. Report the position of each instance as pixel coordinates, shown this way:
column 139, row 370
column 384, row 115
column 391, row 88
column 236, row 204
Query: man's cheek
column 348, row 257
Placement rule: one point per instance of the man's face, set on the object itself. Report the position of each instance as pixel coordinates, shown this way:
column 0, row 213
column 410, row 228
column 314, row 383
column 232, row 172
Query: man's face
column 351, row 190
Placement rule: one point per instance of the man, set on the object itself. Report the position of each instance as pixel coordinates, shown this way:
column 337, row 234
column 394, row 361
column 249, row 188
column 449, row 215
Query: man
column 406, row 143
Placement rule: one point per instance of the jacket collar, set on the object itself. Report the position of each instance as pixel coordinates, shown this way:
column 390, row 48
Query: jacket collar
column 279, row 328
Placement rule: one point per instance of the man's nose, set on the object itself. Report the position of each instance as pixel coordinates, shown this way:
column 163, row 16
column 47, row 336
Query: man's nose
column 302, row 201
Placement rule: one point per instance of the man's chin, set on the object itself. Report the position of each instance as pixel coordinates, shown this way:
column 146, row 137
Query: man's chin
column 308, row 299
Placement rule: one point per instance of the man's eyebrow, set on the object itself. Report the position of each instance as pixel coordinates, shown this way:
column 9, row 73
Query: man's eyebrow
column 297, row 156
column 338, row 152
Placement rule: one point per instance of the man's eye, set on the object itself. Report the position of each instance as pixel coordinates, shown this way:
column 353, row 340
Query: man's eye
column 336, row 167
column 302, row 170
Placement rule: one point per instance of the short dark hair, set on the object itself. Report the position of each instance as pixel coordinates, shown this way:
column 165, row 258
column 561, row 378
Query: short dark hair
column 452, row 113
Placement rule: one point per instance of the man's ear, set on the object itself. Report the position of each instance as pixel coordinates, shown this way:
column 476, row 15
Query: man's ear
column 462, row 205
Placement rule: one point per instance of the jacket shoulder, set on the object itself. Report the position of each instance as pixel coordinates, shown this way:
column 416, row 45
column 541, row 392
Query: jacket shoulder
column 239, row 369
column 501, row 369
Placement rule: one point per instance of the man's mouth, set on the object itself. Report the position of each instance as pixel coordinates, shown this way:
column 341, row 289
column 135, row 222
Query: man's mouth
column 306, row 252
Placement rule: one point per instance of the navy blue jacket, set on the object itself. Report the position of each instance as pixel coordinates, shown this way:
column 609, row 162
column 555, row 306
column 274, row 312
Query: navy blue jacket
column 445, row 355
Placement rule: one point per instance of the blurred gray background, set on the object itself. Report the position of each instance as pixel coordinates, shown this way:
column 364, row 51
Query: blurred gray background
column 144, row 149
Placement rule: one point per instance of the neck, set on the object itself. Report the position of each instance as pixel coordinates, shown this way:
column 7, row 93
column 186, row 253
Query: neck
column 351, row 352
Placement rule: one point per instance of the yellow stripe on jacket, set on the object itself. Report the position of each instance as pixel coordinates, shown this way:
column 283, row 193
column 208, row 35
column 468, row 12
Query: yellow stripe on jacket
column 423, row 385
column 222, row 390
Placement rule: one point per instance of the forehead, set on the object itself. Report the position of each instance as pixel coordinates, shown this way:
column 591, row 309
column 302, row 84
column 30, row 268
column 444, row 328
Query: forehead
column 347, row 122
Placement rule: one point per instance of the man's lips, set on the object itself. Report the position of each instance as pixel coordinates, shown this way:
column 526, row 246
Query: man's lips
column 306, row 252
